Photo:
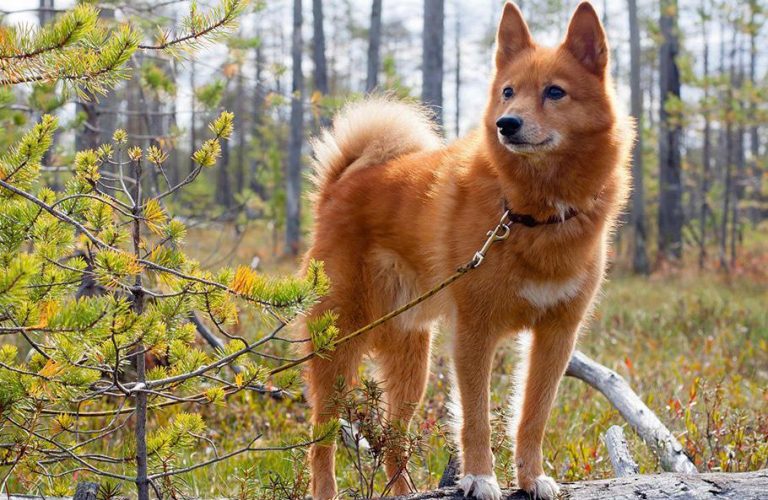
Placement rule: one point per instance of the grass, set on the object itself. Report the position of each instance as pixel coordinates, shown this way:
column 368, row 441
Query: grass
column 693, row 346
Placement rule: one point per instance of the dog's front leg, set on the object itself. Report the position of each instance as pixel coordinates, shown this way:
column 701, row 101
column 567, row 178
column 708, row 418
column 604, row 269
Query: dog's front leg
column 551, row 347
column 473, row 357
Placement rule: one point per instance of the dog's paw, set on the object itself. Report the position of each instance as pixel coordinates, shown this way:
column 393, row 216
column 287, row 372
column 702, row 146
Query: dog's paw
column 480, row 487
column 542, row 488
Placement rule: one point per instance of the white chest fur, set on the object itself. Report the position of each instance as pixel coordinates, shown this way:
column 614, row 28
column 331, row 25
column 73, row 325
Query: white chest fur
column 546, row 294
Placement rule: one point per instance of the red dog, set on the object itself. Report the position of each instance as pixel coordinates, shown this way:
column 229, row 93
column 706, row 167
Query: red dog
column 397, row 212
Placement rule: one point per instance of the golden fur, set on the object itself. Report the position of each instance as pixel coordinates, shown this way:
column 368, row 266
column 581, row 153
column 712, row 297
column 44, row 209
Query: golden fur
column 397, row 213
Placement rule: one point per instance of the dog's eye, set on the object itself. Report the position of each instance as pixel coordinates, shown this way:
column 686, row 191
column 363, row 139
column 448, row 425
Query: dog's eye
column 554, row 92
column 508, row 92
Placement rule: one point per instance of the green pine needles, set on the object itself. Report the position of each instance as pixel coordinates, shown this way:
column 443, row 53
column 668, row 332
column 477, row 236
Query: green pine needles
column 82, row 55
column 96, row 284
column 100, row 307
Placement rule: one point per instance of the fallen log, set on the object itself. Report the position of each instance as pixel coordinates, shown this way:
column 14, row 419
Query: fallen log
column 741, row 486
column 645, row 423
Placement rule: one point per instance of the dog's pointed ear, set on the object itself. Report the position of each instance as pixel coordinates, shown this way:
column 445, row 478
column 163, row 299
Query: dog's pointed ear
column 586, row 39
column 513, row 35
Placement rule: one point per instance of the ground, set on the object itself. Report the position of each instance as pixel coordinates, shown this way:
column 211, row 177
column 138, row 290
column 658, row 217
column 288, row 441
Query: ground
column 693, row 345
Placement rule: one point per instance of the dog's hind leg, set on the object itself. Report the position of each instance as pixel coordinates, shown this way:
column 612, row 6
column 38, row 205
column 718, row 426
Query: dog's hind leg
column 403, row 359
column 322, row 376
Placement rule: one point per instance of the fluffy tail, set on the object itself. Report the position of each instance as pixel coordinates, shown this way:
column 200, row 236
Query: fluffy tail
column 371, row 132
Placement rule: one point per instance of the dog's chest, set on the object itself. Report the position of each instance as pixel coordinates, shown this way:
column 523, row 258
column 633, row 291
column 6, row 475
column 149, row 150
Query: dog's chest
column 544, row 294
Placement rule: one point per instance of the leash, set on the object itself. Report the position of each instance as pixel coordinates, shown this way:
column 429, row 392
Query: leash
column 495, row 235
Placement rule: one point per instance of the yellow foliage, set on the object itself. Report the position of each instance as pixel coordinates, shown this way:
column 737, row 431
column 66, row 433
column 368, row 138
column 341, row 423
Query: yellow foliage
column 244, row 280
column 154, row 216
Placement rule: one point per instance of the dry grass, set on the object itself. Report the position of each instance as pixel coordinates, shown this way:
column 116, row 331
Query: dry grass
column 695, row 347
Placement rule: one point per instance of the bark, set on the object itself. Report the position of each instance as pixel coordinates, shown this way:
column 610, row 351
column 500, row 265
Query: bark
column 45, row 15
column 87, row 136
column 223, row 184
column 754, row 136
column 457, row 74
column 670, row 185
column 318, row 48
column 140, row 426
column 730, row 153
column 224, row 195
column 635, row 412
column 706, row 152
column 639, row 256
column 736, row 486
column 108, row 121
column 193, row 114
column 86, row 491
column 240, row 125
column 293, row 175
column 257, row 120
column 432, row 66
column 740, row 160
column 374, row 47
column 723, row 158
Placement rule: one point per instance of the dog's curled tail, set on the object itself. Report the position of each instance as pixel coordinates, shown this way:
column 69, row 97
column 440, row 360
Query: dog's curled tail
column 371, row 132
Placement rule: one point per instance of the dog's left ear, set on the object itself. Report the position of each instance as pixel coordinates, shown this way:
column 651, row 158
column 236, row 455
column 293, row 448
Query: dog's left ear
column 586, row 39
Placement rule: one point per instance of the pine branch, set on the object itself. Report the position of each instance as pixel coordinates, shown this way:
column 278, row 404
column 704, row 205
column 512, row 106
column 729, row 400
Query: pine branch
column 202, row 28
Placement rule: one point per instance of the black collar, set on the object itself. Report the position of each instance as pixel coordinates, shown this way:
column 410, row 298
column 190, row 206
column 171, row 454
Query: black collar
column 529, row 220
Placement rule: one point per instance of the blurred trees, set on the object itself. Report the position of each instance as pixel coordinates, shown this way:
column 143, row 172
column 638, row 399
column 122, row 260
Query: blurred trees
column 374, row 47
column 432, row 56
column 293, row 172
column 699, row 184
column 670, row 134
column 639, row 253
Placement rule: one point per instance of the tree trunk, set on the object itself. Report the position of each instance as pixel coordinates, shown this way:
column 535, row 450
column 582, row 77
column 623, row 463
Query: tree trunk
column 293, row 175
column 318, row 48
column 223, row 178
column 639, row 256
column 257, row 120
column 374, row 47
column 45, row 14
column 706, row 152
column 457, row 74
column 432, row 65
column 223, row 182
column 87, row 136
column 240, row 125
column 754, row 137
column 670, row 188
column 193, row 114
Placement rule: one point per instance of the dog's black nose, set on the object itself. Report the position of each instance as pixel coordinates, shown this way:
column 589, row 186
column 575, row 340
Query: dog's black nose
column 509, row 125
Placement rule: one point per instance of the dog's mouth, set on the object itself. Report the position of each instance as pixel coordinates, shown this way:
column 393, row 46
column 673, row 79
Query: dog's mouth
column 518, row 146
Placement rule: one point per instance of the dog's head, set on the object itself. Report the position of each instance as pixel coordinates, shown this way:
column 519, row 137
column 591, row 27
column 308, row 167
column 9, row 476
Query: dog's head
column 546, row 100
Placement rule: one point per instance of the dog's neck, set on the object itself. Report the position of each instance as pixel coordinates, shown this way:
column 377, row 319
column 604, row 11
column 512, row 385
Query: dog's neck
column 549, row 185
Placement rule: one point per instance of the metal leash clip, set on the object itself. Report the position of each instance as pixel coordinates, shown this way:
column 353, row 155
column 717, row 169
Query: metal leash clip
column 499, row 233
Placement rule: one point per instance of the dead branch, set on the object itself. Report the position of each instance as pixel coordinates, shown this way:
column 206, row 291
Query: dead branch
column 621, row 459
column 635, row 412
